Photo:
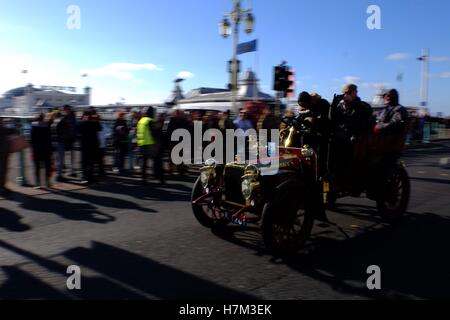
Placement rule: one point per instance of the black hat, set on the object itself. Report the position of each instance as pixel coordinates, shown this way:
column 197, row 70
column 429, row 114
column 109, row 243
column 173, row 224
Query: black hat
column 304, row 98
column 149, row 111
column 393, row 94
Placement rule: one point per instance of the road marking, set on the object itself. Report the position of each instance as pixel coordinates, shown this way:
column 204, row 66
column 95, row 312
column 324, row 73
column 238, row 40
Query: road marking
column 444, row 161
column 421, row 172
column 444, row 174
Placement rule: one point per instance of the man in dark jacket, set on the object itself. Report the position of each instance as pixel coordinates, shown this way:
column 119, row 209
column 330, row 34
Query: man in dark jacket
column 4, row 155
column 42, row 149
column 88, row 129
column 394, row 117
column 69, row 118
column 351, row 118
column 120, row 140
column 63, row 137
column 319, row 123
column 392, row 124
column 179, row 121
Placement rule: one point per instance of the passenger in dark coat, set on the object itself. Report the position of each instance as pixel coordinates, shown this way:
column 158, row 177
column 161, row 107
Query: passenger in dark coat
column 351, row 118
column 393, row 118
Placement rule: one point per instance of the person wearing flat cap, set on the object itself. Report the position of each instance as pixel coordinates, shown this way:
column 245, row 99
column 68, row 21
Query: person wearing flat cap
column 393, row 118
column 351, row 118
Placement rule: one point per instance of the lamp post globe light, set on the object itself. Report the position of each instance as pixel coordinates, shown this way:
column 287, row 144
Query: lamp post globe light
column 226, row 29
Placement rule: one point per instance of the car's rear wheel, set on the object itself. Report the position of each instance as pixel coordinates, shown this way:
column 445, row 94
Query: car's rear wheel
column 287, row 220
column 394, row 194
column 204, row 210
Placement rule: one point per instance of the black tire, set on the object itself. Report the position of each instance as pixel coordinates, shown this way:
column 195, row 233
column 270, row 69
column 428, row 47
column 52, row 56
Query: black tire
column 203, row 212
column 394, row 194
column 291, row 206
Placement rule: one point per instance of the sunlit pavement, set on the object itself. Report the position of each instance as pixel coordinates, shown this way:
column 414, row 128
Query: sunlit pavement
column 134, row 241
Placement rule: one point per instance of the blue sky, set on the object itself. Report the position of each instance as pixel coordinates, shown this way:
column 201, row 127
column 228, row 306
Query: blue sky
column 134, row 49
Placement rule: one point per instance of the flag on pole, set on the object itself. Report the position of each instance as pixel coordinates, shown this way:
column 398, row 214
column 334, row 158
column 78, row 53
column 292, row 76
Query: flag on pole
column 245, row 47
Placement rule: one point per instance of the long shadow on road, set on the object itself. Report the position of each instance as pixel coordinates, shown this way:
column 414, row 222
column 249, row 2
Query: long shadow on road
column 110, row 202
column 66, row 210
column 10, row 221
column 20, row 284
column 149, row 276
column 413, row 258
column 120, row 274
column 153, row 191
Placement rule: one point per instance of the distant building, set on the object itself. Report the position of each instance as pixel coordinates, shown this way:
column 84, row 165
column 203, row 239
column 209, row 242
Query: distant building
column 31, row 99
column 215, row 99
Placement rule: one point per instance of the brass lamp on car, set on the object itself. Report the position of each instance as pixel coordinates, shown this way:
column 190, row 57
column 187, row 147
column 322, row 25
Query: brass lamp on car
column 307, row 152
column 208, row 173
column 250, row 183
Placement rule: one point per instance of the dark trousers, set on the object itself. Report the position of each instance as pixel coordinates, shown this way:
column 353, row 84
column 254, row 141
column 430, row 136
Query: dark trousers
column 145, row 156
column 101, row 161
column 120, row 154
column 158, row 169
column 59, row 147
column 151, row 152
column 88, row 157
column 3, row 168
column 46, row 161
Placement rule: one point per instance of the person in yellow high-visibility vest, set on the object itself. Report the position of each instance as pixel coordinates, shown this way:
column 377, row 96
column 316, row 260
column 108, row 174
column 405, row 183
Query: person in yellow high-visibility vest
column 146, row 141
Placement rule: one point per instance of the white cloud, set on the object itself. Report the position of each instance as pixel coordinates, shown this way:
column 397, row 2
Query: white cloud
column 351, row 79
column 185, row 75
column 375, row 85
column 440, row 59
column 59, row 73
column 444, row 75
column 398, row 56
column 121, row 70
column 39, row 72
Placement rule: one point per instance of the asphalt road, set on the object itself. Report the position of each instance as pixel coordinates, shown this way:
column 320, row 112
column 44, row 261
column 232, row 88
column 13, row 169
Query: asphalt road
column 134, row 242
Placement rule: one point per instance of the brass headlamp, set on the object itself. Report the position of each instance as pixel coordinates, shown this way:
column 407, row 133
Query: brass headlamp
column 208, row 173
column 250, row 184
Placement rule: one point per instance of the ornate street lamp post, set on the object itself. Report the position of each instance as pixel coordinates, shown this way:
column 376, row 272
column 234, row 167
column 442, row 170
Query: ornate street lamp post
column 225, row 29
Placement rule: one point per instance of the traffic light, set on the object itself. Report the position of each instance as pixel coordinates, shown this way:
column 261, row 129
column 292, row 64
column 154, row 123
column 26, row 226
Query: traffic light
column 279, row 78
column 289, row 84
column 284, row 80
